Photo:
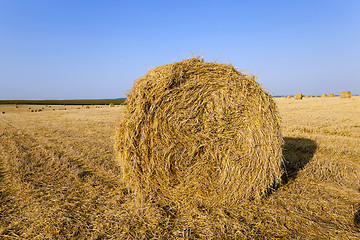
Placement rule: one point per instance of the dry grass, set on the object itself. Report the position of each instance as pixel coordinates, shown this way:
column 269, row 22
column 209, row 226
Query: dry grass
column 59, row 180
column 199, row 134
column 298, row 96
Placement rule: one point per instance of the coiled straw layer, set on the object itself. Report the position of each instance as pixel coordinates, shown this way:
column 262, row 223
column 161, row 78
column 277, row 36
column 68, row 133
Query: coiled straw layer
column 199, row 133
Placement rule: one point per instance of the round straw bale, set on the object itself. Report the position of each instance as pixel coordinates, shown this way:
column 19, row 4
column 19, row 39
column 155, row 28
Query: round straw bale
column 298, row 96
column 288, row 97
column 345, row 94
column 111, row 105
column 324, row 95
column 199, row 133
column 331, row 95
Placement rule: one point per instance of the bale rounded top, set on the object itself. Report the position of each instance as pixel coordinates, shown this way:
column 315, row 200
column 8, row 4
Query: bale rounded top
column 199, row 133
column 111, row 105
column 298, row 96
column 345, row 94
column 331, row 95
column 324, row 95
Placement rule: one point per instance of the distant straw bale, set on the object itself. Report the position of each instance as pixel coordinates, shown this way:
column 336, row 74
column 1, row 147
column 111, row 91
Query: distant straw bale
column 87, row 107
column 324, row 95
column 331, row 95
column 306, row 96
column 199, row 133
column 288, row 97
column 111, row 105
column 345, row 94
column 298, row 96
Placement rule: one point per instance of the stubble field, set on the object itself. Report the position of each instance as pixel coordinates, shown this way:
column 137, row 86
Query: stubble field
column 59, row 179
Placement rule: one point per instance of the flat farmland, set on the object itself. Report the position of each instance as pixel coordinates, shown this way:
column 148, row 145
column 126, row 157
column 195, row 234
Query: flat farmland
column 59, row 179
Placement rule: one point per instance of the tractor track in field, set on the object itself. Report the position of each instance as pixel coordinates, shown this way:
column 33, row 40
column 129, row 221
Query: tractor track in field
column 43, row 185
column 73, row 157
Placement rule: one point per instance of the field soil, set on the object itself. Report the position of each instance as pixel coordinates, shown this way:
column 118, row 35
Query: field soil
column 59, row 179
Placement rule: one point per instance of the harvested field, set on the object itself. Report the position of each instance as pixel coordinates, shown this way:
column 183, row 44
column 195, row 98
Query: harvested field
column 59, row 179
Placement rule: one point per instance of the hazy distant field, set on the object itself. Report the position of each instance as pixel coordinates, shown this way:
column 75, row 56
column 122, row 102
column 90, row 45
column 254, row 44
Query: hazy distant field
column 59, row 178
column 65, row 102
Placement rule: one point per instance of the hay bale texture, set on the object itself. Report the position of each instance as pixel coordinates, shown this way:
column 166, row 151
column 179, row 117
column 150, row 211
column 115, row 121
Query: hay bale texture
column 331, row 95
column 345, row 94
column 199, row 133
column 298, row 96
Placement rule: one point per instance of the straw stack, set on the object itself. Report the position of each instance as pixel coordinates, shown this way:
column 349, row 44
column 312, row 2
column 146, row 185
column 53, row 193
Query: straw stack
column 345, row 94
column 298, row 96
column 199, row 133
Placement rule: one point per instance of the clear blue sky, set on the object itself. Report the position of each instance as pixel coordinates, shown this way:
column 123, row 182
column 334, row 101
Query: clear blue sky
column 71, row 49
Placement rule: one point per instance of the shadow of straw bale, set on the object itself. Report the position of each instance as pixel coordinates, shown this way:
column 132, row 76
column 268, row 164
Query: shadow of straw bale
column 357, row 218
column 297, row 153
